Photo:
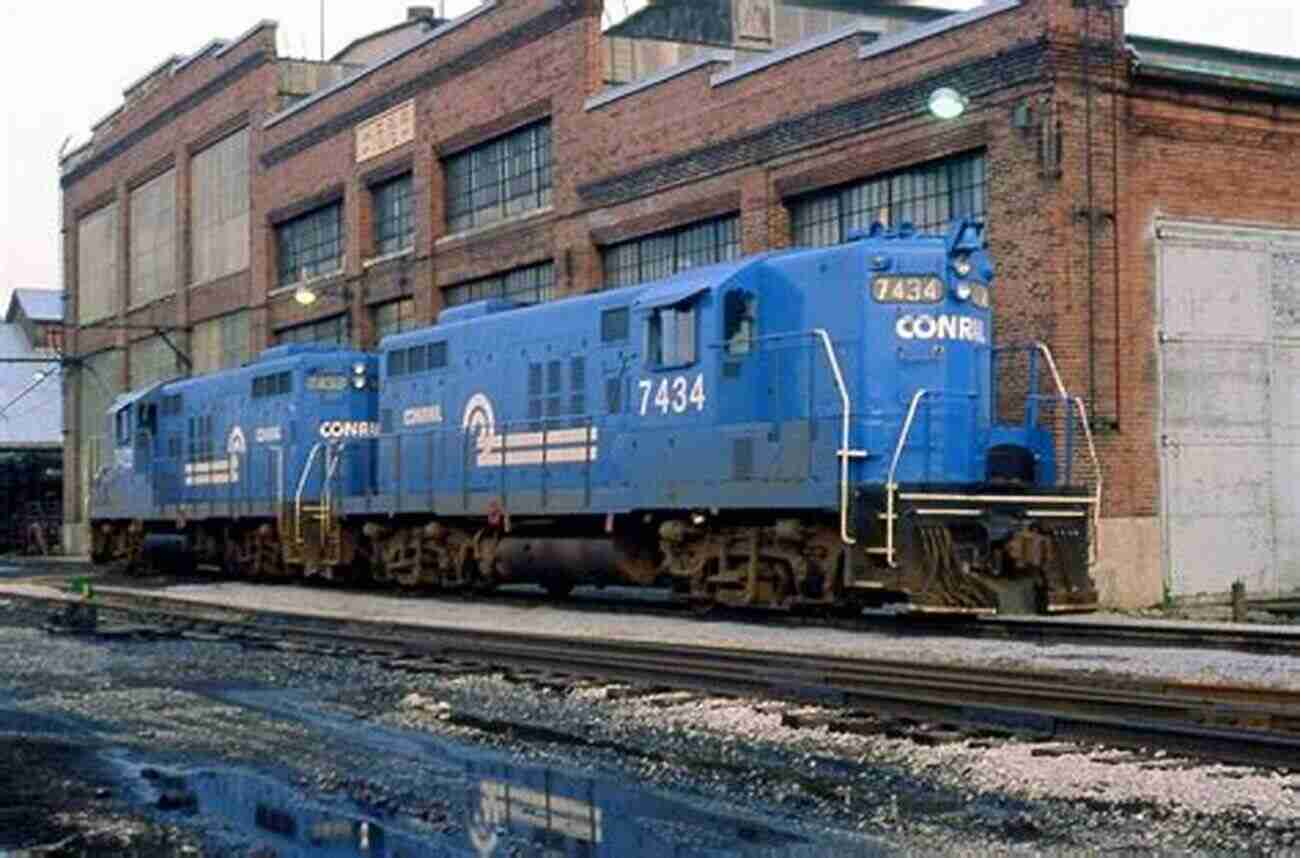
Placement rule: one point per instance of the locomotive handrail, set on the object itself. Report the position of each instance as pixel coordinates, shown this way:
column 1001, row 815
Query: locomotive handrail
column 1077, row 402
column 844, row 453
column 891, row 487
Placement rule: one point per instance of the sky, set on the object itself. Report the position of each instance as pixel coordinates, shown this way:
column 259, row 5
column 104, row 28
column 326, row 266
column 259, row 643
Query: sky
column 63, row 66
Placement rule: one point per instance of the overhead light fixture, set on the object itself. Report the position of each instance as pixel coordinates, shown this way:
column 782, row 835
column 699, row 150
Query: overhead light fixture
column 948, row 103
column 305, row 295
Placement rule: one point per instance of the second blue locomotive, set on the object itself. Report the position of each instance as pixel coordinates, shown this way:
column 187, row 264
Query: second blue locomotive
column 798, row 428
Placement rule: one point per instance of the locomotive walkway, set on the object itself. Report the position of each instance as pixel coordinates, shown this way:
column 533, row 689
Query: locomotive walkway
column 1237, row 724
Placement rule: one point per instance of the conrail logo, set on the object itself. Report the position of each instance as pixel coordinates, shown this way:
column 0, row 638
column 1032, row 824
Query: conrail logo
column 926, row 327
column 334, row 429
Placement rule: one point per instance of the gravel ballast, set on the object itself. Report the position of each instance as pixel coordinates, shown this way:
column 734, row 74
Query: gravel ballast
column 340, row 730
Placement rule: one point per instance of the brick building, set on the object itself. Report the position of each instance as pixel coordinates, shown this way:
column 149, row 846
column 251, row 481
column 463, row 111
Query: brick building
column 1134, row 191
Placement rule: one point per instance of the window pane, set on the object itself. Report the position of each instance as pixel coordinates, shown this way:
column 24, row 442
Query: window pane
column 329, row 330
column 97, row 265
column 502, row 177
column 530, row 285
column 219, row 209
column 394, row 225
column 153, row 239
column 929, row 196
column 663, row 254
column 393, row 317
column 310, row 245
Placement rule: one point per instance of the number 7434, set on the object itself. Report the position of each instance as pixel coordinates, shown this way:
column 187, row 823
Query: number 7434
column 675, row 394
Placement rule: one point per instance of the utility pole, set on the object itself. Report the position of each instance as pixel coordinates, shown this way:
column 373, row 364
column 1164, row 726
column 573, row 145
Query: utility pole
column 322, row 30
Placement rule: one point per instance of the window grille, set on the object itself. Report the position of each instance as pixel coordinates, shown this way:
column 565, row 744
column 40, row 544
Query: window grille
column 153, row 239
column 97, row 291
column 663, row 254
column 310, row 245
column 219, row 209
column 393, row 317
column 503, row 177
column 331, row 330
column 928, row 196
column 393, row 216
column 530, row 285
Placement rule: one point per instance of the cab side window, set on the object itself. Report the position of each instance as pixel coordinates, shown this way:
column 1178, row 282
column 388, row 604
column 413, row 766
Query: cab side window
column 740, row 322
column 670, row 339
column 123, row 420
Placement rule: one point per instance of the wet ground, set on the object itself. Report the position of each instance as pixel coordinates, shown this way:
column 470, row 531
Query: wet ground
column 128, row 744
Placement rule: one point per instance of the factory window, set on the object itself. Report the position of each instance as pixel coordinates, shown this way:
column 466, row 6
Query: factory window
column 275, row 384
column 97, row 295
column 219, row 211
column 394, row 223
column 221, row 343
column 663, row 254
column 393, row 317
column 614, row 325
column 99, row 380
column 530, row 285
column 928, row 196
column 331, row 330
column 502, row 177
column 671, row 339
column 152, row 360
column 153, row 239
column 310, row 245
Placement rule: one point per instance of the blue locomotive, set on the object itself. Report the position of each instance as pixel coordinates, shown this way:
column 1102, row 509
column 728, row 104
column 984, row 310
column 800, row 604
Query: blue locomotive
column 812, row 427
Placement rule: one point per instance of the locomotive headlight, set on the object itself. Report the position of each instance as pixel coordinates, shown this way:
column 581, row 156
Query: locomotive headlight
column 358, row 368
column 962, row 266
column 359, row 382
column 963, row 291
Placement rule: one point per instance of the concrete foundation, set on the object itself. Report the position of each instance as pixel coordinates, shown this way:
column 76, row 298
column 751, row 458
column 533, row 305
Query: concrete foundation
column 1128, row 573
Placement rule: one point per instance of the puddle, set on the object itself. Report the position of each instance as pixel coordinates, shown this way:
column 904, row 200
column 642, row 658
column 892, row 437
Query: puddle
column 498, row 809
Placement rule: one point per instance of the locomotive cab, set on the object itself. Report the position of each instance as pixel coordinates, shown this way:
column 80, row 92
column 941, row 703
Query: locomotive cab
column 977, row 487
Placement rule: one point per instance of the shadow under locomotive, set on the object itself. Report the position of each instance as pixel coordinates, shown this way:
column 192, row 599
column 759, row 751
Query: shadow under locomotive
column 817, row 428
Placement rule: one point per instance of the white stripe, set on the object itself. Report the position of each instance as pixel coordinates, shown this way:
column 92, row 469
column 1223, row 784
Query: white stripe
column 551, row 456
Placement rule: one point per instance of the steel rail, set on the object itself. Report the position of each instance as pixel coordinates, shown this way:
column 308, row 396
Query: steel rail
column 1044, row 631
column 1233, row 724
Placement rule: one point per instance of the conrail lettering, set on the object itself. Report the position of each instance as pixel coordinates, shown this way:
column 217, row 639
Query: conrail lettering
column 925, row 327
column 422, row 415
column 334, row 429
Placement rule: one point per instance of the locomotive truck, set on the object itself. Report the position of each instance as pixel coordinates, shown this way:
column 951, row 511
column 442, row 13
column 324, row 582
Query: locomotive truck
column 821, row 428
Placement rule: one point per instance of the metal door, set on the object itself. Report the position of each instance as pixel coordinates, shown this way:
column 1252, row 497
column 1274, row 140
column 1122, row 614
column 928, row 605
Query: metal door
column 1229, row 344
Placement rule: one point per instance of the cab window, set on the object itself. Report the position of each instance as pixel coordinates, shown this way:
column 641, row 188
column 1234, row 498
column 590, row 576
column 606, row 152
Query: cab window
column 740, row 322
column 123, row 426
column 670, row 340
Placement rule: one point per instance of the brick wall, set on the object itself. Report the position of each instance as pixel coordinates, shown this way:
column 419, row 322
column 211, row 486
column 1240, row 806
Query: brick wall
column 1081, row 157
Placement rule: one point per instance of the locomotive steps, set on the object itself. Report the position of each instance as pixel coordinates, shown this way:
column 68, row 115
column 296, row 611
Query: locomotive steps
column 1229, row 723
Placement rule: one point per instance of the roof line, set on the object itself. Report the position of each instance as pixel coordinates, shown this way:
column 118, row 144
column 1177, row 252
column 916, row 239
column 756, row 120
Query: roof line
column 436, row 33
column 246, row 35
column 705, row 58
column 170, row 61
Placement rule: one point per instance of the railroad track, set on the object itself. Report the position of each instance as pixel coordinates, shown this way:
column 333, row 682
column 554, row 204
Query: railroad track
column 1046, row 631
column 1231, row 724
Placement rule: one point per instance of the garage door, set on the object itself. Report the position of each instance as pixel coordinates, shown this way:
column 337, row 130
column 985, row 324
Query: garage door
column 1230, row 408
